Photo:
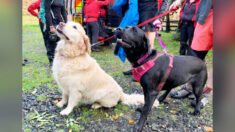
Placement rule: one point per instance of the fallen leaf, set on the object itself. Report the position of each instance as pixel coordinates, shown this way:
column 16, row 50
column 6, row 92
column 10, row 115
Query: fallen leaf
column 115, row 118
column 70, row 130
column 131, row 121
column 168, row 99
column 208, row 129
column 56, row 101
column 34, row 91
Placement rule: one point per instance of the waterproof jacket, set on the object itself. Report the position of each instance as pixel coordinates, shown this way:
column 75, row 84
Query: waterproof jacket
column 189, row 10
column 92, row 9
column 203, row 11
column 35, row 6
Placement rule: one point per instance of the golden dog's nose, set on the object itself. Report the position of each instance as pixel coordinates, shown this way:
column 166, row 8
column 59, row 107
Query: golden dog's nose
column 61, row 24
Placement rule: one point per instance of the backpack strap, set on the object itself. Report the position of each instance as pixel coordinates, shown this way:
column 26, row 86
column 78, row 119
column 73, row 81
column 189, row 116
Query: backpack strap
column 52, row 14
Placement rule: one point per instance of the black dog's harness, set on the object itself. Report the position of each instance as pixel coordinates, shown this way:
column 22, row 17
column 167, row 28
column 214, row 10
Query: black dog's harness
column 139, row 71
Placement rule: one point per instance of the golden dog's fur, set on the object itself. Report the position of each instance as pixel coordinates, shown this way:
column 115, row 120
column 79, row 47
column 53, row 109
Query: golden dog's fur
column 81, row 78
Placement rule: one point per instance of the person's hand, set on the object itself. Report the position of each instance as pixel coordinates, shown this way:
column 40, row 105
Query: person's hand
column 159, row 24
column 175, row 5
column 38, row 16
column 52, row 29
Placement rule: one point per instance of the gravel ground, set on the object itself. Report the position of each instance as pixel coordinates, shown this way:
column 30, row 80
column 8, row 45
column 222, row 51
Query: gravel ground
column 174, row 116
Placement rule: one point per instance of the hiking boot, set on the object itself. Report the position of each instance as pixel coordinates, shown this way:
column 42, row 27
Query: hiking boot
column 204, row 101
column 129, row 72
column 184, row 92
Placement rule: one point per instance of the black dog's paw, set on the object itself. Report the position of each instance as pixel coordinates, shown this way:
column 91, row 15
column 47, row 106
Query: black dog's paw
column 196, row 113
column 137, row 128
column 140, row 109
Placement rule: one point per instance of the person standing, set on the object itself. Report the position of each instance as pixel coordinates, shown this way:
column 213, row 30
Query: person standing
column 54, row 14
column 31, row 9
column 129, row 10
column 188, row 23
column 147, row 10
column 92, row 12
column 202, row 42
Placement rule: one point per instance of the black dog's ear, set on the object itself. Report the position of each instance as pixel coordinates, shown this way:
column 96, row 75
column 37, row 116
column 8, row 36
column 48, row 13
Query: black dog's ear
column 146, row 43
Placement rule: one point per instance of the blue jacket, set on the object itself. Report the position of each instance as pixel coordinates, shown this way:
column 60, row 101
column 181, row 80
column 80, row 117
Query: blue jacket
column 131, row 18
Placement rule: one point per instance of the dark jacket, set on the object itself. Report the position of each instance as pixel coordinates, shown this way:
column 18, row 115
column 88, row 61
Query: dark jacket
column 92, row 9
column 58, row 10
column 189, row 10
column 203, row 10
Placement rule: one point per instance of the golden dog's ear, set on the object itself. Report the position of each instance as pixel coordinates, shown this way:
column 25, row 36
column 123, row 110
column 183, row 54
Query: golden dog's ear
column 87, row 43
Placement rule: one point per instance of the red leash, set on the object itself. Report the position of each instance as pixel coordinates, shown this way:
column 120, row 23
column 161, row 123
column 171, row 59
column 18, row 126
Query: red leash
column 141, row 24
column 156, row 17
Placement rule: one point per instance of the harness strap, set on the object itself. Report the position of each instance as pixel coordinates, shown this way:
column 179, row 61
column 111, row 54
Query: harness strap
column 163, row 81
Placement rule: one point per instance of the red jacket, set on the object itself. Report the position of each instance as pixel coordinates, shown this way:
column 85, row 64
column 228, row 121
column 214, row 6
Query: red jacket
column 34, row 6
column 92, row 9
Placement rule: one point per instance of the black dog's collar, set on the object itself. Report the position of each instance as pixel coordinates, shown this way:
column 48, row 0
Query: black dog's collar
column 144, row 57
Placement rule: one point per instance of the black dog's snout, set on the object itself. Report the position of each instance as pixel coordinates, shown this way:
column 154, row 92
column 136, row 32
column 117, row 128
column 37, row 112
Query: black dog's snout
column 119, row 32
column 119, row 29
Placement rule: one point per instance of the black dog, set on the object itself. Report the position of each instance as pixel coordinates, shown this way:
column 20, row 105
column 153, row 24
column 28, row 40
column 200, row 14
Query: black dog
column 185, row 69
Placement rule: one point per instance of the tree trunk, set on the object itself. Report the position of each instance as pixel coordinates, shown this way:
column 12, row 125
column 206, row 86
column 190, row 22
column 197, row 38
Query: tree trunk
column 168, row 25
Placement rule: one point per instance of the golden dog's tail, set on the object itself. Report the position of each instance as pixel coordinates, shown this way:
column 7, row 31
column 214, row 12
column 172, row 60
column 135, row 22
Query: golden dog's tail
column 135, row 99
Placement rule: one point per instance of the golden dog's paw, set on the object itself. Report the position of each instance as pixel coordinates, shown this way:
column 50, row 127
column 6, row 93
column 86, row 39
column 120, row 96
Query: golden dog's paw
column 95, row 106
column 65, row 112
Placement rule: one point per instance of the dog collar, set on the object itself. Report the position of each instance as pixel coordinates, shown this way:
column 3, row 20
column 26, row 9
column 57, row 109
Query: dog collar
column 143, row 57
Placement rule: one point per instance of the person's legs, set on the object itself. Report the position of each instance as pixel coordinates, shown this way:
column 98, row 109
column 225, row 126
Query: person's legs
column 151, row 36
column 88, row 29
column 202, row 42
column 48, row 44
column 51, row 51
column 183, row 39
column 95, row 33
column 190, row 32
column 45, row 37
column 199, row 54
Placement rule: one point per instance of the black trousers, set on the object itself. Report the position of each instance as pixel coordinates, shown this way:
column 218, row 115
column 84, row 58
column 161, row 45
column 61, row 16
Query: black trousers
column 199, row 54
column 50, row 45
column 186, row 37
column 93, row 32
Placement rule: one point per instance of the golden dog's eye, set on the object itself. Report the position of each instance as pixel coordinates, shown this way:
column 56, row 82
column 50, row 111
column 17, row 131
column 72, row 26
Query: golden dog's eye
column 74, row 27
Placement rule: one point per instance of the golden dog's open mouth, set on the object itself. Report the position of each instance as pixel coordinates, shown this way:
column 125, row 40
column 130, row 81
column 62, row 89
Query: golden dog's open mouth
column 59, row 30
column 124, row 43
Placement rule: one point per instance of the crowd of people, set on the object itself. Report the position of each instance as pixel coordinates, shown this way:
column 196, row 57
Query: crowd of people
column 196, row 26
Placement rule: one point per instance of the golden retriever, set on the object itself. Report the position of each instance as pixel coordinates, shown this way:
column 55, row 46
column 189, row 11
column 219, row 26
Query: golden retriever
column 80, row 77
